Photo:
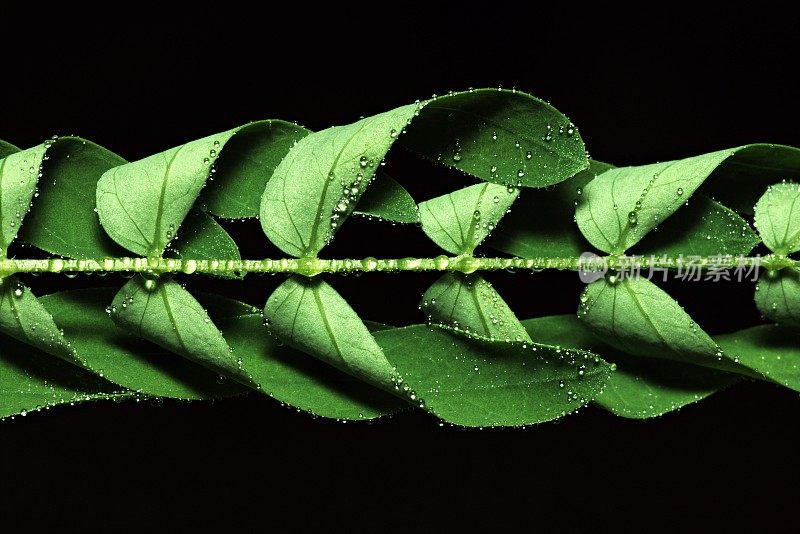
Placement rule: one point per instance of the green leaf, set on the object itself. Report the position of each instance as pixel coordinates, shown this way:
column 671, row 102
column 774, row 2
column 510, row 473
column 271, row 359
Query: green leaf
column 202, row 238
column 622, row 205
column 739, row 181
column 317, row 185
column 469, row 304
column 24, row 318
column 542, row 225
column 639, row 387
column 637, row 317
column 165, row 313
column 388, row 200
column 142, row 204
column 473, row 383
column 459, row 221
column 777, row 217
column 311, row 316
column 243, row 168
column 63, row 219
column 7, row 148
column 498, row 136
column 778, row 296
column 771, row 349
column 31, row 380
column 126, row 359
column 19, row 174
column 703, row 228
column 504, row 137
column 298, row 379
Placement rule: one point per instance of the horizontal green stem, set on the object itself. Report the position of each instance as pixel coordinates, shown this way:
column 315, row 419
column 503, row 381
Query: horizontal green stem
column 314, row 266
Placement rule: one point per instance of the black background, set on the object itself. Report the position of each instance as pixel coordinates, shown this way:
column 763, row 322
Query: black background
column 640, row 87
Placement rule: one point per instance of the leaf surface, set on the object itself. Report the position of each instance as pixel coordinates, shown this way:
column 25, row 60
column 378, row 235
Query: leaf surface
column 389, row 201
column 469, row 304
column 777, row 217
column 311, row 316
column 778, row 296
column 166, row 314
column 639, row 387
column 624, row 204
column 459, row 221
column 472, row 383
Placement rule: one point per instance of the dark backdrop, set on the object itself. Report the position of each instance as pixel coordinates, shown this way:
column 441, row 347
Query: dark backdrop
column 640, row 87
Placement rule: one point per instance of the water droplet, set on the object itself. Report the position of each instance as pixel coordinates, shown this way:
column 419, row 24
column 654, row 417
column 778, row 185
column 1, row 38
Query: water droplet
column 363, row 161
column 679, row 192
column 633, row 218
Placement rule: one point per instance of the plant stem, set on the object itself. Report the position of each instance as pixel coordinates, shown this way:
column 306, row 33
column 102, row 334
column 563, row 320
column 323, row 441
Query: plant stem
column 314, row 266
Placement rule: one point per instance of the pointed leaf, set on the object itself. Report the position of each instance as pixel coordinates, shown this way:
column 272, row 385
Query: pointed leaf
column 311, row 316
column 166, row 314
column 778, row 296
column 459, row 221
column 388, row 200
column 777, row 217
column 469, row 304
column 473, row 383
column 541, row 224
column 622, row 205
column 639, row 387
